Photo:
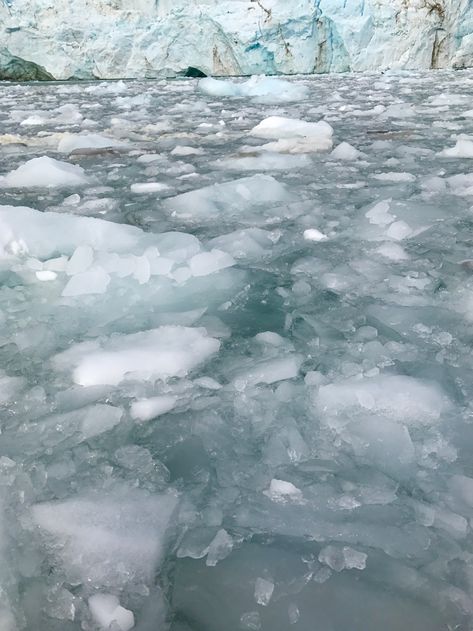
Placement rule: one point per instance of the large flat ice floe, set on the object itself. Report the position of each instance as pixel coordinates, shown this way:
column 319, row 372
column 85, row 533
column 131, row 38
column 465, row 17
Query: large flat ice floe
column 235, row 354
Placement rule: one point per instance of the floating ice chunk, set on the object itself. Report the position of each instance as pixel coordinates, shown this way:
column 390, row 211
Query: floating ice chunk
column 214, row 87
column 143, row 188
column 80, row 261
column 461, row 184
column 280, row 127
column 168, row 351
column 461, row 487
column 207, row 203
column 345, row 558
column 317, row 135
column 10, row 387
column 379, row 214
column 399, row 110
column 206, row 263
column 266, row 161
column 251, row 243
column 395, row 176
column 46, row 234
column 70, row 142
column 107, row 612
column 72, row 200
column 93, row 281
column 184, row 150
column 208, row 383
column 403, row 399
column 263, row 591
column 147, row 409
column 345, row 151
column 282, row 491
column 98, row 419
column 271, row 338
column 382, row 442
column 219, row 548
column 126, row 526
column 269, row 371
column 462, row 149
column 44, row 172
column 312, row 234
column 266, row 89
column 393, row 251
column 293, row 612
column 399, row 230
column 45, row 275
column 34, row 119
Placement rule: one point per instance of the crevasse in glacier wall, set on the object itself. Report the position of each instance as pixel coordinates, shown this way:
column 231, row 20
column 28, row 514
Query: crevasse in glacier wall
column 155, row 38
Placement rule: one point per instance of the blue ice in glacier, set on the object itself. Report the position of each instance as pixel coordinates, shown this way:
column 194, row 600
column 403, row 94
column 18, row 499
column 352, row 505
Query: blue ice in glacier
column 155, row 38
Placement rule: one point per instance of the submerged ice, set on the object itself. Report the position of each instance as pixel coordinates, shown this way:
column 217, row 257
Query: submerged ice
column 235, row 384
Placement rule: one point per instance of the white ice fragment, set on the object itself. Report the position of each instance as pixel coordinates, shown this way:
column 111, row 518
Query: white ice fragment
column 70, row 142
column 147, row 409
column 293, row 613
column 345, row 558
column 219, row 548
column 142, row 269
column 399, row 230
column 393, row 251
column 10, row 387
column 168, row 351
column 184, row 150
column 263, row 591
column 45, row 275
column 45, row 234
column 462, row 149
column 207, row 203
column 267, row 160
column 269, row 371
column 379, row 214
column 93, row 281
column 313, row 136
column 72, row 200
column 206, row 263
column 277, row 127
column 271, row 338
column 345, row 151
column 107, row 539
column 394, row 176
column 99, row 419
column 402, row 399
column 461, row 487
column 283, row 491
column 80, row 261
column 262, row 88
column 44, row 172
column 107, row 611
column 246, row 243
column 312, row 234
column 208, row 383
column 142, row 188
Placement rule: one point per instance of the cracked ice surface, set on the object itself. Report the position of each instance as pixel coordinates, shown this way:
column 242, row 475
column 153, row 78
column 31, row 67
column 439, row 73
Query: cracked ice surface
column 235, row 341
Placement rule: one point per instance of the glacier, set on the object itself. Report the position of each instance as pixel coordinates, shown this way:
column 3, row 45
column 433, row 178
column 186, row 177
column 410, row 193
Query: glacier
column 87, row 39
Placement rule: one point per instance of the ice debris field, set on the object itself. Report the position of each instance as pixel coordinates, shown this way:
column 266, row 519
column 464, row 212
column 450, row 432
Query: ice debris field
column 236, row 372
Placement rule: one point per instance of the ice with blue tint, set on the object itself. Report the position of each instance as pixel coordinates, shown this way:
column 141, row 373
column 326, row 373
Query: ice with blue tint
column 89, row 39
column 235, row 344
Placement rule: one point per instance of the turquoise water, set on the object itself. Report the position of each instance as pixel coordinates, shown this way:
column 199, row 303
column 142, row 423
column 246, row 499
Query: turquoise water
column 274, row 436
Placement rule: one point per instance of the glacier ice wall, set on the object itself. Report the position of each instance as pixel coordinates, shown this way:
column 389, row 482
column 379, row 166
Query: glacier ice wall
column 152, row 38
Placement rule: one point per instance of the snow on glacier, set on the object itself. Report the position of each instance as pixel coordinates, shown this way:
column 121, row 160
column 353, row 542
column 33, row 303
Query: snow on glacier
column 235, row 357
